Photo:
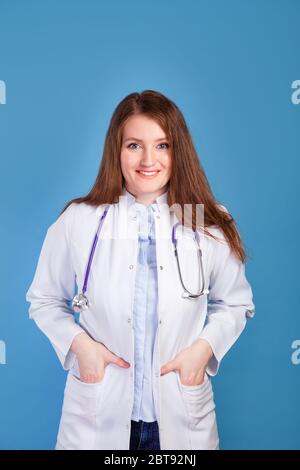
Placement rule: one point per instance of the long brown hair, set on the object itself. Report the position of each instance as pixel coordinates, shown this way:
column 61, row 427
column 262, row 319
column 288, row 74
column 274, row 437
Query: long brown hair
column 188, row 182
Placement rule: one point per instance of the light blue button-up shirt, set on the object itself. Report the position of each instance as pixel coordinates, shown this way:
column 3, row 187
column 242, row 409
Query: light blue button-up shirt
column 145, row 319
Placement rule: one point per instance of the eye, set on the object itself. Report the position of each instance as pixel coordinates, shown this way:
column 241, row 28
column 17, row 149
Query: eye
column 165, row 143
column 133, row 143
column 129, row 146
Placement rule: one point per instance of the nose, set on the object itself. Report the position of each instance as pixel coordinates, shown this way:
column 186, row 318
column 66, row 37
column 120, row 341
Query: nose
column 148, row 157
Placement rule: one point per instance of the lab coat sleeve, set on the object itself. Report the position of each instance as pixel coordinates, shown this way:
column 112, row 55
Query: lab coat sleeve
column 53, row 287
column 229, row 303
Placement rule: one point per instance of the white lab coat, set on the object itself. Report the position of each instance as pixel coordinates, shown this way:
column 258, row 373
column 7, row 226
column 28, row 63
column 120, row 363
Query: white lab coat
column 98, row 416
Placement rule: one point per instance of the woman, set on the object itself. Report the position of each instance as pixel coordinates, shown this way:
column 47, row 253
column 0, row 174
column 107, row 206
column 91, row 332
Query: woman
column 156, row 323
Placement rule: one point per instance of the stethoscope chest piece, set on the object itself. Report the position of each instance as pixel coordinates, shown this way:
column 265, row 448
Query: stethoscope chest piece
column 80, row 302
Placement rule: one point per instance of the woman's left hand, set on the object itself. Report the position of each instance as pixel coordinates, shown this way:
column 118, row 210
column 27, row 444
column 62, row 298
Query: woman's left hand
column 191, row 363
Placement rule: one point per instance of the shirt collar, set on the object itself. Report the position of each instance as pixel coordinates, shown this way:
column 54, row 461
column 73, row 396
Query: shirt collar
column 135, row 205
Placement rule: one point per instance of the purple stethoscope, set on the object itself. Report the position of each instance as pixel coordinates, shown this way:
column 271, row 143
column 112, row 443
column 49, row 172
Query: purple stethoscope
column 80, row 301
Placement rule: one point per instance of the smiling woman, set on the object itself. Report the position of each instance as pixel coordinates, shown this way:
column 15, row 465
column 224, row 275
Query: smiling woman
column 145, row 163
column 141, row 356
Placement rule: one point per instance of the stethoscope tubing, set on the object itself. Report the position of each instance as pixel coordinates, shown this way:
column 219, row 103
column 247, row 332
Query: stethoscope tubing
column 187, row 293
column 93, row 251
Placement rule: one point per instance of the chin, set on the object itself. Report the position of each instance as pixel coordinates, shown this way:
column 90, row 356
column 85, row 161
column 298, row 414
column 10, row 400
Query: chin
column 148, row 188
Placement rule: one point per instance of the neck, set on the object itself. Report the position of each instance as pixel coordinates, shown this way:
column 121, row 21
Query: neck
column 147, row 198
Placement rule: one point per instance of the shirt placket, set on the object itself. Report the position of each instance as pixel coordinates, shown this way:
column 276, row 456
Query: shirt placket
column 142, row 318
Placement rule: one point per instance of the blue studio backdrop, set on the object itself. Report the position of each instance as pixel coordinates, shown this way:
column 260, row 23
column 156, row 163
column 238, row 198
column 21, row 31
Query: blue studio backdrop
column 233, row 69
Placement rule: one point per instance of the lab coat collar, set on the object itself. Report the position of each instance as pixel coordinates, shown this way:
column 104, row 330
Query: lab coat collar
column 128, row 200
column 134, row 205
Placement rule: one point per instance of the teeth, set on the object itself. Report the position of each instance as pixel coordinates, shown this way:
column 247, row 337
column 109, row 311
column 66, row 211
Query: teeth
column 148, row 173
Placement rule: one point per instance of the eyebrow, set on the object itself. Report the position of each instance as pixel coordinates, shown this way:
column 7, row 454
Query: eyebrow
column 139, row 140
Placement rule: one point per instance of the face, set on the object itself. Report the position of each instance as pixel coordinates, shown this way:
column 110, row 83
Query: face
column 145, row 158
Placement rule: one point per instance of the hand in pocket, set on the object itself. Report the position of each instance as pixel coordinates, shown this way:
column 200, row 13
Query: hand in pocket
column 93, row 357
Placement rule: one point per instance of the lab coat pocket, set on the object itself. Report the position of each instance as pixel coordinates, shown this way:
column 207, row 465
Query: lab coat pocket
column 192, row 387
column 198, row 399
column 78, row 425
column 200, row 412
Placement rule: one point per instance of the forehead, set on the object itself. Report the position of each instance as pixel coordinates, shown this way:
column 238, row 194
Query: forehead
column 143, row 128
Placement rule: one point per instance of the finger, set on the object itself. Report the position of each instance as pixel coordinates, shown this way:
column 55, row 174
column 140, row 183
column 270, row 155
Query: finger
column 88, row 377
column 168, row 367
column 119, row 361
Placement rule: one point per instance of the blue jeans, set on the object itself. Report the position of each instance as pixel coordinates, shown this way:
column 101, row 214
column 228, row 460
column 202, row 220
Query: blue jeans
column 144, row 436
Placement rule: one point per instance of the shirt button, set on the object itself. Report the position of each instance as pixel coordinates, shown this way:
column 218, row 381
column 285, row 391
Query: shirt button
column 158, row 216
column 131, row 266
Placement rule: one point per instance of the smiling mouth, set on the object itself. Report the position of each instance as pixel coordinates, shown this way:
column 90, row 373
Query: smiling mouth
column 147, row 174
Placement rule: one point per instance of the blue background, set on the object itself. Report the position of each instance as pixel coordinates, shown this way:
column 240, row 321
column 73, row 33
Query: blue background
column 229, row 67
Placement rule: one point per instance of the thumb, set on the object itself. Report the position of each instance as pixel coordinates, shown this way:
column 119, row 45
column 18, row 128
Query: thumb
column 119, row 361
column 168, row 367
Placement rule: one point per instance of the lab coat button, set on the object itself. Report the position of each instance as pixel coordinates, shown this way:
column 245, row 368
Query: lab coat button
column 158, row 216
column 160, row 320
column 131, row 266
column 129, row 320
column 161, row 267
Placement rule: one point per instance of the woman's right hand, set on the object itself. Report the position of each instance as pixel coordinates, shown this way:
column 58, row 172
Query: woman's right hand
column 93, row 357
